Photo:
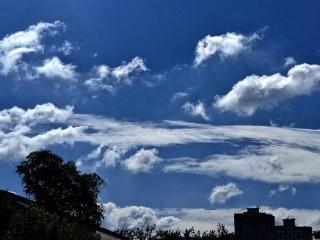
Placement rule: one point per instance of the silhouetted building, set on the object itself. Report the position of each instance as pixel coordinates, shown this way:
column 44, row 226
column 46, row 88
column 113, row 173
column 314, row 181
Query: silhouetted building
column 289, row 231
column 255, row 225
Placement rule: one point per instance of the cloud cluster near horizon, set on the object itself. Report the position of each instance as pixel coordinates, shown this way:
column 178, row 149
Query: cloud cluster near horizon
column 134, row 217
column 117, row 217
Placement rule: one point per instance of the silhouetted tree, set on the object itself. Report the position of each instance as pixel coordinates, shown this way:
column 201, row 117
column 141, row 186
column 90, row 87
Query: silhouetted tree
column 150, row 233
column 169, row 234
column 60, row 188
column 24, row 220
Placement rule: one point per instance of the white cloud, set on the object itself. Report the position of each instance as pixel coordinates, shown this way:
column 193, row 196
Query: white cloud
column 263, row 92
column 13, row 47
column 273, row 164
column 17, row 138
column 112, row 155
column 178, row 95
column 268, row 154
column 222, row 193
column 283, row 188
column 66, row 48
column 201, row 219
column 304, row 217
column 54, row 68
column 44, row 113
column 225, row 45
column 123, row 71
column 19, row 142
column 142, row 161
column 196, row 109
column 134, row 216
column 289, row 61
column 107, row 78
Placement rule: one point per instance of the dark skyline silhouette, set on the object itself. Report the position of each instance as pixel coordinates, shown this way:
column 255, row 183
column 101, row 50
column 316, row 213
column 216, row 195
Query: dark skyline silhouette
column 256, row 225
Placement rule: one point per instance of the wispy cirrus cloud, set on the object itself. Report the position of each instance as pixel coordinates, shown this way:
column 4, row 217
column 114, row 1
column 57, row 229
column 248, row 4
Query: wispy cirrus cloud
column 267, row 154
column 66, row 48
column 195, row 110
column 283, row 188
column 289, row 61
column 267, row 163
column 178, row 95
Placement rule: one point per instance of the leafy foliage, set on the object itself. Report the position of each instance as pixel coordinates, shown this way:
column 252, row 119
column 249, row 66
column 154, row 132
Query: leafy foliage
column 151, row 233
column 59, row 187
column 28, row 222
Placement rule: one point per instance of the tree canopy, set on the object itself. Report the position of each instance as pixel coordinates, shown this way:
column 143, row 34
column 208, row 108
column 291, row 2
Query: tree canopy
column 29, row 222
column 61, row 188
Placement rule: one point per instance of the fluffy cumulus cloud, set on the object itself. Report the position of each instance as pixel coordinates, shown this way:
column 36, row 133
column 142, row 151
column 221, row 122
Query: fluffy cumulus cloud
column 107, row 78
column 263, row 92
column 134, row 216
column 197, row 109
column 225, row 45
column 17, row 137
column 15, row 46
column 269, row 154
column 123, row 71
column 44, row 113
column 142, row 161
column 54, row 68
column 222, row 193
column 201, row 219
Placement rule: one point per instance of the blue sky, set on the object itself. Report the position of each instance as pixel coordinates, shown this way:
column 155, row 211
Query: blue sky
column 190, row 111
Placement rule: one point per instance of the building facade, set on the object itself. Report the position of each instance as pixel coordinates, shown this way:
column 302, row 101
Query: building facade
column 256, row 225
